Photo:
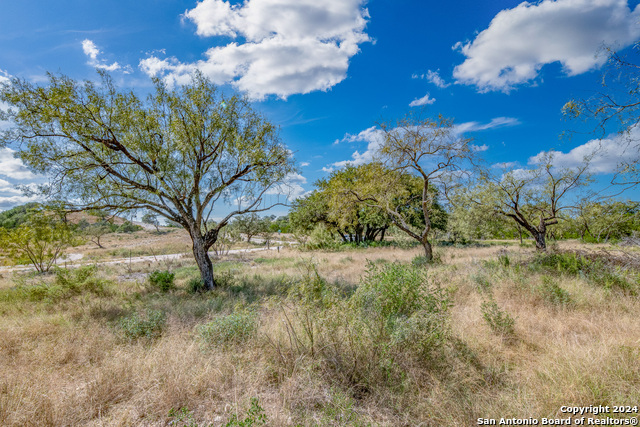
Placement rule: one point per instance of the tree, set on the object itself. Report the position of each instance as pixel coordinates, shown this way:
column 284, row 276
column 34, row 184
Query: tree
column 249, row 224
column 41, row 240
column 151, row 219
column 180, row 153
column 96, row 230
column 422, row 158
column 616, row 107
column 15, row 216
column 533, row 198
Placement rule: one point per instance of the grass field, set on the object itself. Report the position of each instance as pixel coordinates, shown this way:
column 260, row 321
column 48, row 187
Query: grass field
column 356, row 337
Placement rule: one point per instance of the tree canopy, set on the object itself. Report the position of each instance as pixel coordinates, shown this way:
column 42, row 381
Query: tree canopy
column 179, row 153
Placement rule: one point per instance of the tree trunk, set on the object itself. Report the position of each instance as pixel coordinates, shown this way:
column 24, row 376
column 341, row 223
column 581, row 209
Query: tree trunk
column 384, row 230
column 541, row 244
column 428, row 250
column 204, row 263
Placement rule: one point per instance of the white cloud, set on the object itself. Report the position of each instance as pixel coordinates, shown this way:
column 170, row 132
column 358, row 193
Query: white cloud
column 4, row 78
column 504, row 165
column 479, row 148
column 519, row 41
column 433, row 77
column 12, row 167
column 304, row 164
column 496, row 122
column 606, row 155
column 374, row 137
column 286, row 46
column 91, row 50
column 425, row 100
column 291, row 187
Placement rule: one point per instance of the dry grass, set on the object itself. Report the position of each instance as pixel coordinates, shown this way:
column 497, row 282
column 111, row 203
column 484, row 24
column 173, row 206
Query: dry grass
column 65, row 362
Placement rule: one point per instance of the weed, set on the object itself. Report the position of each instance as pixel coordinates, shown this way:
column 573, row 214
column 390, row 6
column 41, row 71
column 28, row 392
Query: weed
column 484, row 285
column 422, row 261
column 498, row 320
column 553, row 293
column 150, row 326
column 182, row 418
column 233, row 328
column 195, row 285
column 162, row 280
column 255, row 416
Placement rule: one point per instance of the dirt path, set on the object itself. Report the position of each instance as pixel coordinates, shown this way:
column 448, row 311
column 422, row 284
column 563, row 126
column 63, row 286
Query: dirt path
column 72, row 260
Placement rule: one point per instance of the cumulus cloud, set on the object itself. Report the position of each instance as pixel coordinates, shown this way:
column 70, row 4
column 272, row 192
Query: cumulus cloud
column 12, row 167
column 284, row 47
column 374, row 137
column 425, row 100
column 91, row 50
column 304, row 164
column 605, row 155
column 291, row 187
column 520, row 41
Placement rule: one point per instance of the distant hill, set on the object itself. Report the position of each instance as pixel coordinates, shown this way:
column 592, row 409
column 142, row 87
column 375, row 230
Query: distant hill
column 12, row 218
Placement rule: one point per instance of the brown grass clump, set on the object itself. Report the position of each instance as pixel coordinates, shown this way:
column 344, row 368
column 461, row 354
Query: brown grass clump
column 305, row 338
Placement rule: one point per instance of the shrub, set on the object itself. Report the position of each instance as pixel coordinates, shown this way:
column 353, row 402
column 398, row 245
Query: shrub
column 163, row 280
column 401, row 307
column 498, row 320
column 594, row 268
column 233, row 328
column 149, row 326
column 67, row 284
column 195, row 285
column 553, row 293
column 255, row 416
column 422, row 261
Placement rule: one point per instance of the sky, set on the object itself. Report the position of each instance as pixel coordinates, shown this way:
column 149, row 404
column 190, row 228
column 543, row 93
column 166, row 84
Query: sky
column 327, row 71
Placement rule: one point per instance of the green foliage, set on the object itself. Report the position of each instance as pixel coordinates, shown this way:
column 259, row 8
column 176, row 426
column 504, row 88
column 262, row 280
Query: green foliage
column 13, row 217
column 151, row 219
column 128, row 227
column 255, row 416
column 594, row 269
column 119, row 151
column 402, row 308
column 67, row 284
column 553, row 293
column 182, row 418
column 498, row 320
column 195, row 285
column 39, row 240
column 148, row 326
column 423, row 261
column 230, row 329
column 162, row 280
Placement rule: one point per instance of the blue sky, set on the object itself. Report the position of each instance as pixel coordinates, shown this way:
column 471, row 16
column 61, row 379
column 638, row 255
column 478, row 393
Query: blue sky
column 326, row 71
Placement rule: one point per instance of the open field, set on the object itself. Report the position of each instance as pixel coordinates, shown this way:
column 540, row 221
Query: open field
column 322, row 338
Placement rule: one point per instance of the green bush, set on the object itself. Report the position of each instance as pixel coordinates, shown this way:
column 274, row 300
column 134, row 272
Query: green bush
column 498, row 320
column 231, row 329
column 128, row 227
column 422, row 261
column 162, row 280
column 66, row 284
column 597, row 271
column 195, row 285
column 255, row 416
column 149, row 326
column 553, row 293
column 402, row 308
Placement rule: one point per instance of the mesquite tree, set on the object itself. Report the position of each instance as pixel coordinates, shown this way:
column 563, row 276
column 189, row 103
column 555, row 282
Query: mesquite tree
column 179, row 153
